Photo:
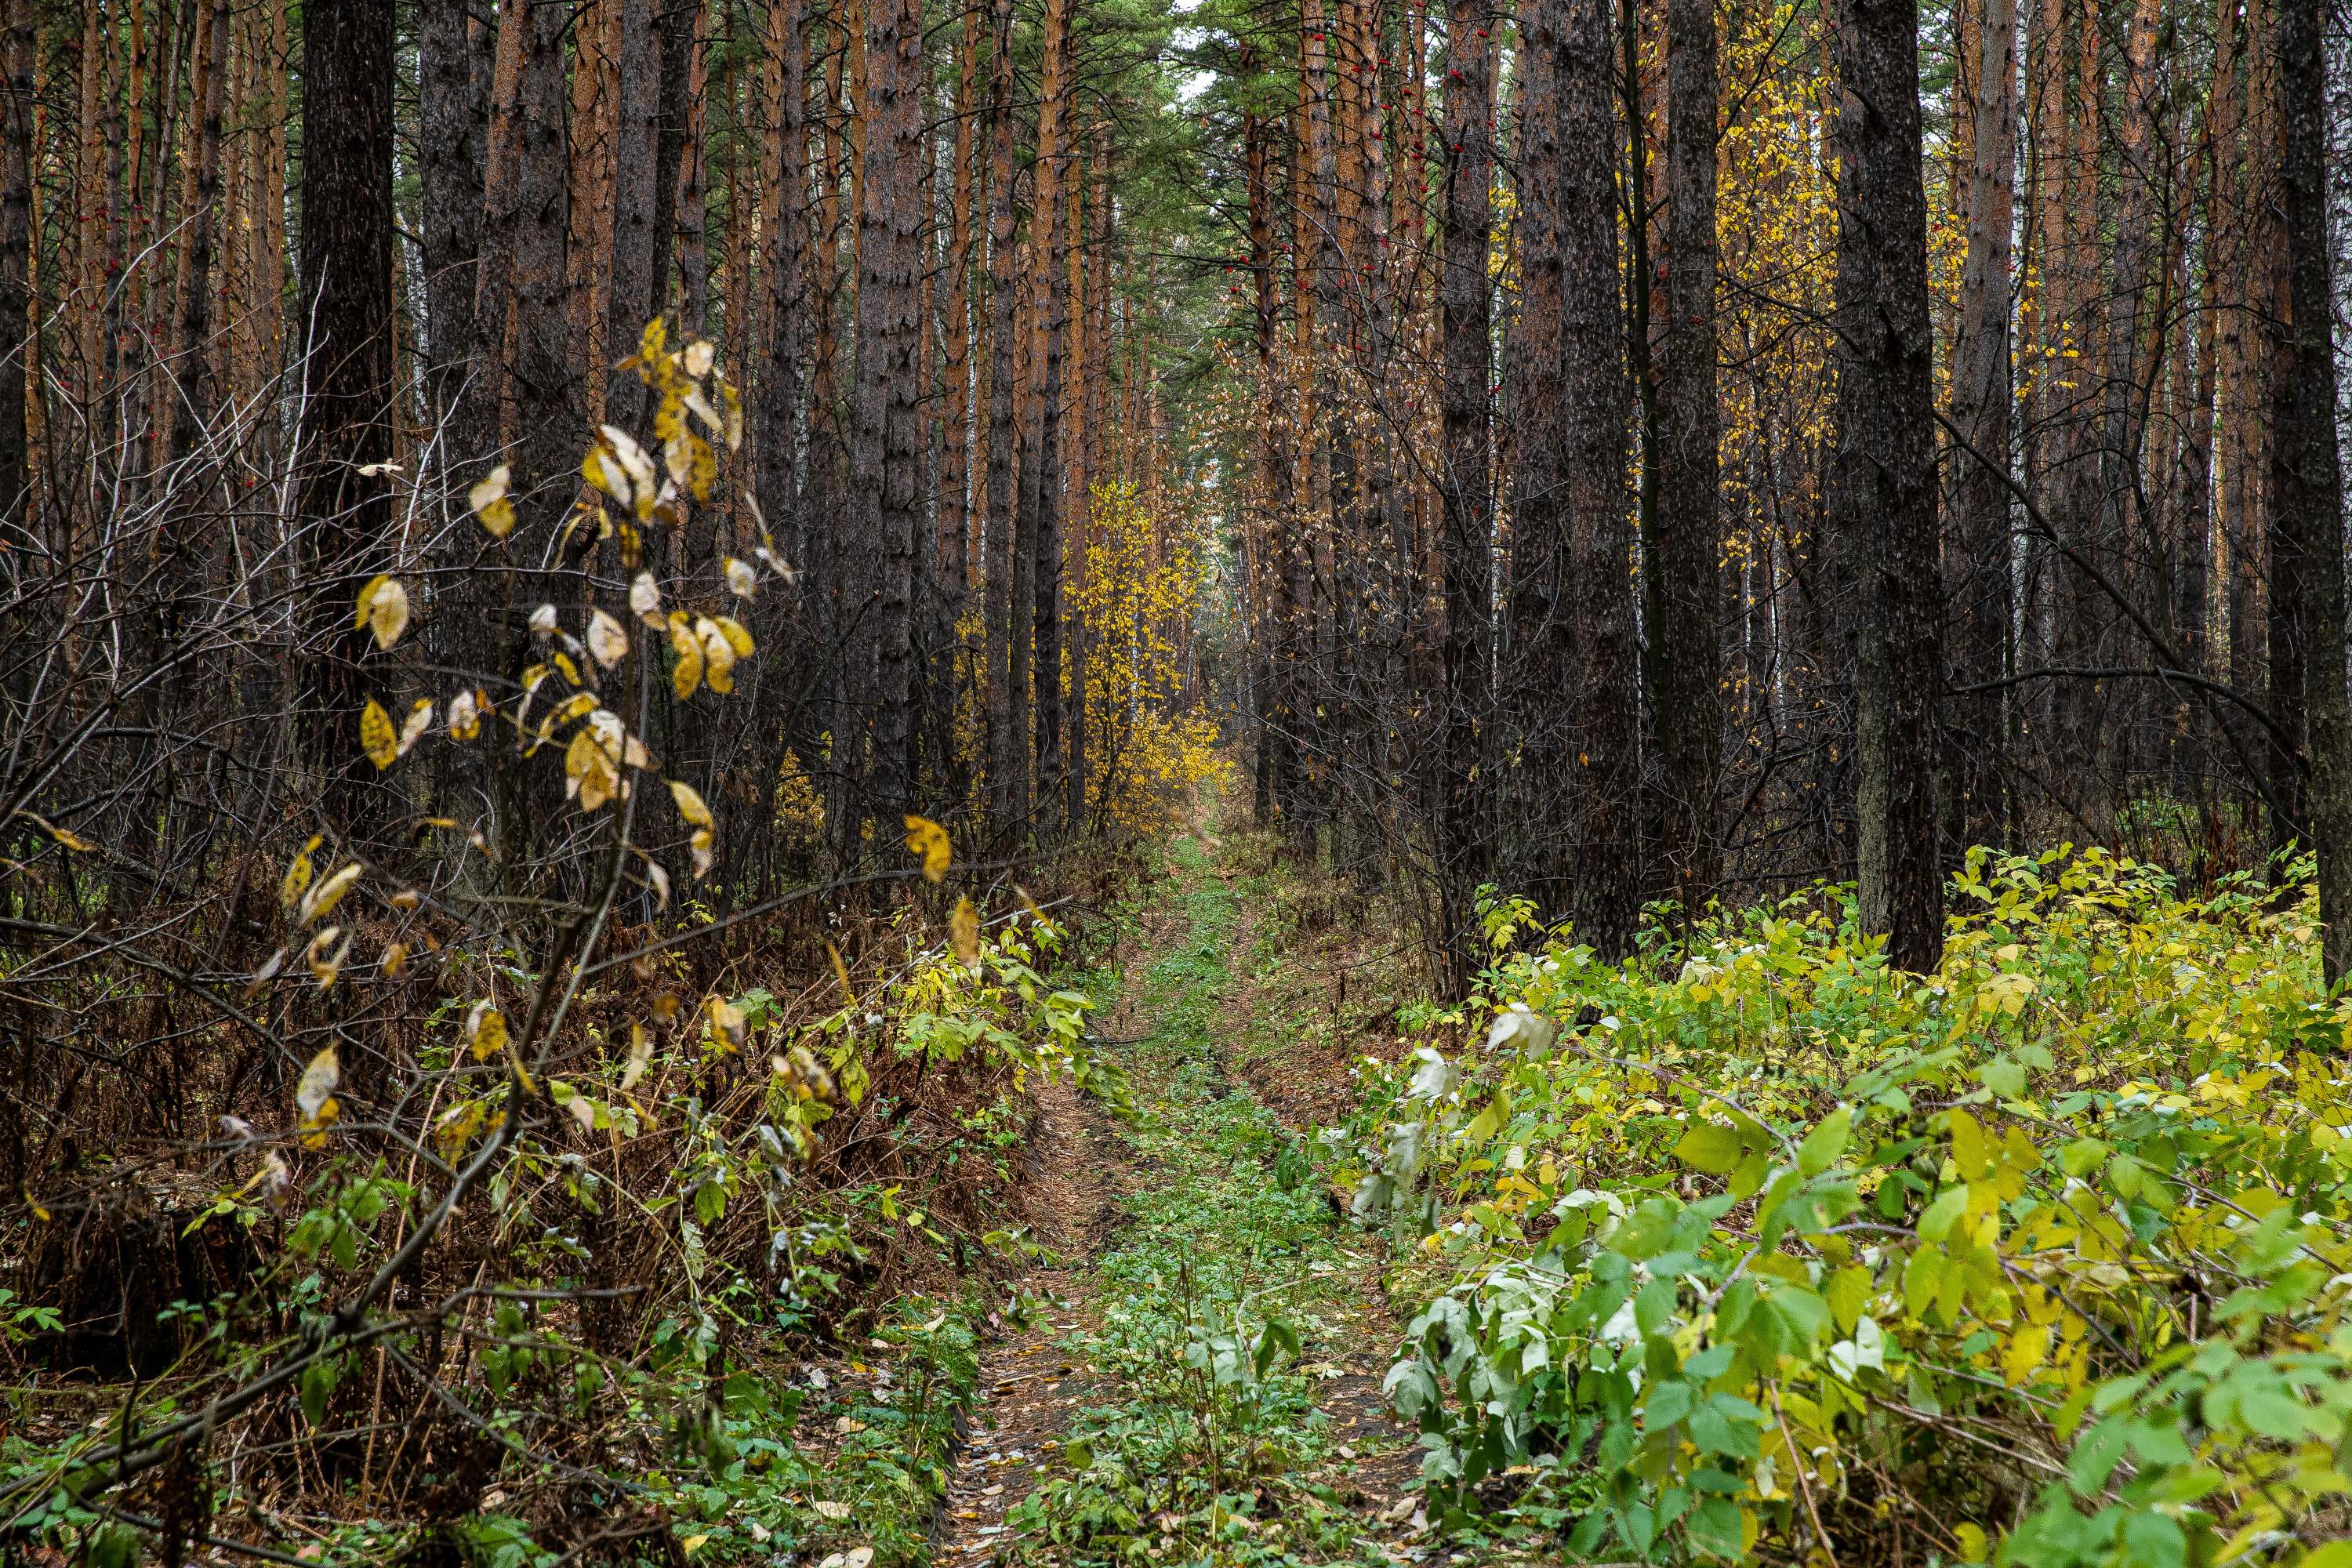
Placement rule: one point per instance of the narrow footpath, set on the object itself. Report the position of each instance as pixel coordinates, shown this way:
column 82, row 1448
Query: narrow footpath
column 1193, row 1367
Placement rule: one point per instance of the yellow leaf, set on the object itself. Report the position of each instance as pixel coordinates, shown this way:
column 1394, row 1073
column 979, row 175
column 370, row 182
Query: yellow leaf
column 572, row 707
column 606, row 476
column 641, row 1051
column 645, row 602
column 409, row 898
column 466, row 715
column 803, row 1075
column 697, row 358
column 457, row 1129
column 69, row 839
column 841, row 973
column 700, row 845
column 643, row 481
column 2027, row 1349
column 658, row 875
column 734, row 401
column 930, row 840
column 485, row 1031
column 420, row 718
column 320, row 901
column 384, row 609
column 606, row 641
column 297, row 875
column 738, row 641
column 562, row 661
column 395, row 960
column 689, row 803
column 377, row 737
column 963, row 931
column 741, row 581
column 718, row 656
column 318, row 1084
column 688, row 649
column 324, row 965
column 488, row 499
column 727, row 1031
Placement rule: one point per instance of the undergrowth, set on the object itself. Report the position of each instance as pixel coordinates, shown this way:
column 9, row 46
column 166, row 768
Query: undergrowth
column 1753, row 1248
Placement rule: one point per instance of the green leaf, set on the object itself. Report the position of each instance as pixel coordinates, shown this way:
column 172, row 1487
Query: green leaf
column 2003, row 1077
column 1080, row 1455
column 1849, row 1293
column 2154, row 1540
column 1825, row 1142
column 1710, row 1147
column 1944, row 1212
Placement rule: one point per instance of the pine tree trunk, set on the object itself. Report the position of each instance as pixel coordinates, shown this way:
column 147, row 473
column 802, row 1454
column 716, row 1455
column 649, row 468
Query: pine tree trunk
column 1047, row 617
column 348, row 65
column 1883, row 484
column 1603, row 682
column 1684, row 643
column 887, row 460
column 191, row 356
column 453, row 103
column 1978, row 566
column 2307, row 537
column 1008, row 643
column 636, row 178
column 1465, row 543
column 16, row 259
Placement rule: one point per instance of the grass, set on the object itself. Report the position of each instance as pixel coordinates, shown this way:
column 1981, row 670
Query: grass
column 1221, row 1312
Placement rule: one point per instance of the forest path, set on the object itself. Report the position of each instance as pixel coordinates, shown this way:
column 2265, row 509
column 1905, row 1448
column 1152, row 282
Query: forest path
column 1093, row 1435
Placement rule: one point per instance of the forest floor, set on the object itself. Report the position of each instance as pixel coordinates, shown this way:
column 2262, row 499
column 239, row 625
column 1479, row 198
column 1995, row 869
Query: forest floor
column 1123, row 1412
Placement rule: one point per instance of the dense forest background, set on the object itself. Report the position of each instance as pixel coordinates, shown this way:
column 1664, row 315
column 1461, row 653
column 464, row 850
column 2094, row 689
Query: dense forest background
column 610, row 610
column 1496, row 438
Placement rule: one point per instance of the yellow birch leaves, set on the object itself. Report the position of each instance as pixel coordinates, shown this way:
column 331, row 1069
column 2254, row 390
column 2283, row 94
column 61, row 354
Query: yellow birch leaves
column 697, row 815
column 384, row 609
column 488, row 499
column 930, row 840
column 314, row 1097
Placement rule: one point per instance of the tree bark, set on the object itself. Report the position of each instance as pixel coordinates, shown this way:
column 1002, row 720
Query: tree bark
column 346, row 288
column 2307, row 538
column 1883, row 483
column 888, row 453
column 1008, row 643
column 1685, row 649
column 1466, row 544
column 16, row 258
column 453, row 103
column 1978, row 566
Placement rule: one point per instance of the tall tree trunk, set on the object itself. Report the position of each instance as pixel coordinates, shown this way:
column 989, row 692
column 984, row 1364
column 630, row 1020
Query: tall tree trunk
column 1007, row 632
column 2307, row 538
column 1978, row 565
column 1053, row 206
column 192, row 336
column 1885, row 480
column 1536, row 668
column 887, row 458
column 636, row 176
column 453, row 105
column 1683, row 643
column 691, row 198
column 16, row 258
column 1603, row 678
column 346, row 280
column 1466, row 544
column 547, row 412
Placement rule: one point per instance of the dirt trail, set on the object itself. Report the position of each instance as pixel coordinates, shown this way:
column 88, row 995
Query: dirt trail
column 1041, row 1369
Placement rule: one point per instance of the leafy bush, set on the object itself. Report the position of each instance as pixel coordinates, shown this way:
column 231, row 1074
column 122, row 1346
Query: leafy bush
column 2043, row 1258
